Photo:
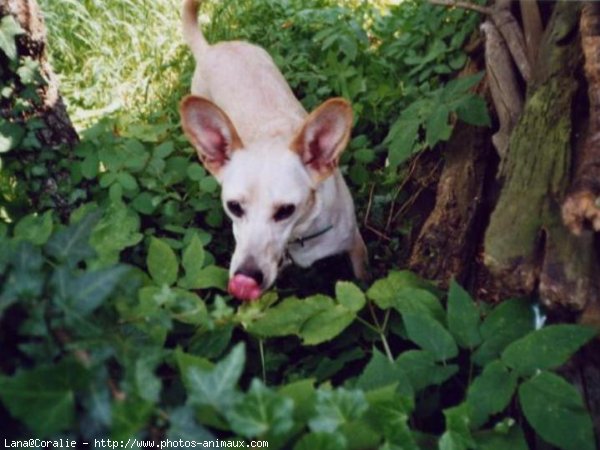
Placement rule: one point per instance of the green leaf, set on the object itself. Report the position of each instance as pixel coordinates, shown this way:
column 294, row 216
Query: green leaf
column 458, row 433
column 183, row 425
column 384, row 291
column 421, row 369
column 556, row 412
column 507, row 322
column 261, row 411
column 302, row 393
column 193, row 258
column 401, row 140
column 547, row 348
column 513, row 439
column 491, row 392
column 428, row 334
column 44, row 397
column 162, row 262
column 9, row 29
column 381, row 372
column 189, row 308
column 460, row 85
column 147, row 383
column 11, row 134
column 288, row 317
column 349, row 296
column 474, row 111
column 321, row 441
column 419, row 301
column 207, row 278
column 25, row 280
column 71, row 244
column 463, row 317
column 437, row 127
column 129, row 416
column 35, row 229
column 389, row 417
column 216, row 387
column 325, row 325
column 337, row 407
column 84, row 293
column 117, row 230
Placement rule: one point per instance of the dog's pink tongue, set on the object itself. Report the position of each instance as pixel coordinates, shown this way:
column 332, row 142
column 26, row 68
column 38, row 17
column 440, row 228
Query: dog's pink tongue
column 243, row 287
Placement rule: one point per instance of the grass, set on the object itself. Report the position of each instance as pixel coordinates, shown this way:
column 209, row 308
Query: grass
column 115, row 55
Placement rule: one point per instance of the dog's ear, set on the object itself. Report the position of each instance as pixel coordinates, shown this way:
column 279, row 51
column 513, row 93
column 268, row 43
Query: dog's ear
column 323, row 137
column 210, row 131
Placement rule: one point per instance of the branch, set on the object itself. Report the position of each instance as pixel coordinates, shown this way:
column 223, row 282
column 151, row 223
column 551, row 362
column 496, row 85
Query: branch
column 463, row 5
column 581, row 208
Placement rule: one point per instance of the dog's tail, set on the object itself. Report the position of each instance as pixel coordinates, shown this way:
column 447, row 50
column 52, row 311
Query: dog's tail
column 191, row 33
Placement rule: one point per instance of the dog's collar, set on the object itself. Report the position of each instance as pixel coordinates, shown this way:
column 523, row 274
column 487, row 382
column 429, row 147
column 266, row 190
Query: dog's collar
column 302, row 240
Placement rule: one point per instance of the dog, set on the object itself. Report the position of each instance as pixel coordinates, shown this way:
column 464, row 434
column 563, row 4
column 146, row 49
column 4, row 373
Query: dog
column 276, row 164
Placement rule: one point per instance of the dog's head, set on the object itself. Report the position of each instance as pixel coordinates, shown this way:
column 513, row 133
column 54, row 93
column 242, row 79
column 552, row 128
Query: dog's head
column 268, row 187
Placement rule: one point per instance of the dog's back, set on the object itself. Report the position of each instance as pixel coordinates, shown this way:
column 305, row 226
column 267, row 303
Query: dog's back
column 243, row 80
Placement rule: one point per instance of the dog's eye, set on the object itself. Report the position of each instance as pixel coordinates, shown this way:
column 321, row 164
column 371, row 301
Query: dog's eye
column 235, row 208
column 283, row 212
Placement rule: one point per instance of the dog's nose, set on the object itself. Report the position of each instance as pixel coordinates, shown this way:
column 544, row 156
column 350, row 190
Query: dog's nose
column 252, row 272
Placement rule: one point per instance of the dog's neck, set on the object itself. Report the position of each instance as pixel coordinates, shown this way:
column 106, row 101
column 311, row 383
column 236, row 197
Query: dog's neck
column 329, row 226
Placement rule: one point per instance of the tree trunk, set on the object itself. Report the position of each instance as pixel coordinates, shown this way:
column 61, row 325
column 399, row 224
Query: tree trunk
column 37, row 108
column 51, row 110
column 536, row 236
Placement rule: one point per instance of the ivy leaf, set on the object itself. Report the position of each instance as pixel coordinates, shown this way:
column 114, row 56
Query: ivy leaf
column 129, row 416
column 556, row 412
column 44, row 397
column 458, row 433
column 11, row 135
column 25, row 280
column 162, row 262
column 322, row 441
column 9, row 29
column 507, row 322
column 35, row 228
column 421, row 369
column 491, row 392
column 71, row 244
column 430, row 335
column 389, row 417
column 84, row 293
column 463, row 317
column 349, row 296
column 547, row 348
column 216, row 386
column 183, row 425
column 261, row 411
column 337, row 407
column 302, row 393
column 147, row 383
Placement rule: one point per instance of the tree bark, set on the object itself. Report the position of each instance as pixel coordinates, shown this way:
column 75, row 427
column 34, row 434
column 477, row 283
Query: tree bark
column 52, row 112
column 53, row 128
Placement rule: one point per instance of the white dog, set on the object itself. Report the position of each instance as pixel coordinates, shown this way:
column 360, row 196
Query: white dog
column 277, row 165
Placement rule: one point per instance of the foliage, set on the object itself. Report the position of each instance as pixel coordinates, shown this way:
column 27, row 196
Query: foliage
column 114, row 320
